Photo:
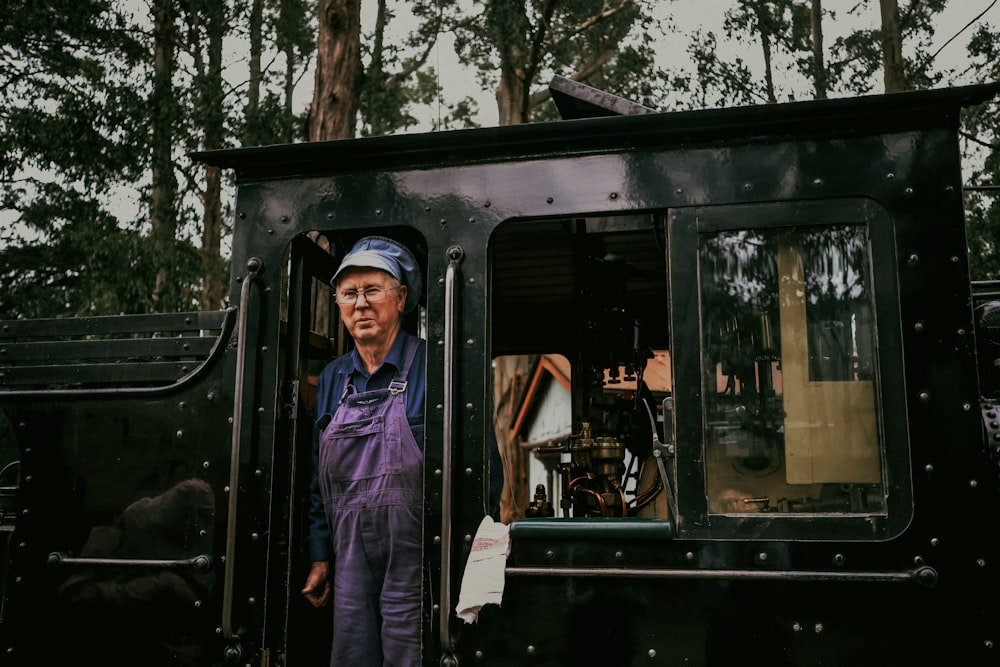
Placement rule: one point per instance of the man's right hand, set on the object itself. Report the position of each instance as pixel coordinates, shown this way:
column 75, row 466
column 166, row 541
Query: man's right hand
column 317, row 588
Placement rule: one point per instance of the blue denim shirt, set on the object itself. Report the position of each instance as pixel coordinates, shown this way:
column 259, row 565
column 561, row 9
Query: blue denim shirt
column 332, row 382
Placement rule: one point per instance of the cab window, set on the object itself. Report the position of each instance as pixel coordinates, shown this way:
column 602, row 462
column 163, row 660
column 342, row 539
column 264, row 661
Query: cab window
column 788, row 371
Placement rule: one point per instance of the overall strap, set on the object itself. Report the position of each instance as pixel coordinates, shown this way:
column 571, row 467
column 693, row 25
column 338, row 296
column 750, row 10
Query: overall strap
column 398, row 384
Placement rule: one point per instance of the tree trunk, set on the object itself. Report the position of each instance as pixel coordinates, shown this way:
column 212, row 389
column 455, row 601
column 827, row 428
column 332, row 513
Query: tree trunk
column 765, row 30
column 509, row 26
column 212, row 111
column 252, row 111
column 892, row 47
column 334, row 109
column 163, row 196
column 818, row 65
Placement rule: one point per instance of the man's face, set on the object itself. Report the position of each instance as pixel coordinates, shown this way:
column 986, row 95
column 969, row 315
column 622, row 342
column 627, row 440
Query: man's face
column 371, row 323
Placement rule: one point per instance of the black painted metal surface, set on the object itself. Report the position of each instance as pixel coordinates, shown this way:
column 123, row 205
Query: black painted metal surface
column 569, row 233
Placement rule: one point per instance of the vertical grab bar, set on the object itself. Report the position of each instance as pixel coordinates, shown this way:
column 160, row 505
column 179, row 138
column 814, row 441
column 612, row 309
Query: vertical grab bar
column 253, row 266
column 455, row 256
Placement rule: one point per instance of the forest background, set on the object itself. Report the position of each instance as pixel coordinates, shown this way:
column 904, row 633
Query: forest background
column 101, row 102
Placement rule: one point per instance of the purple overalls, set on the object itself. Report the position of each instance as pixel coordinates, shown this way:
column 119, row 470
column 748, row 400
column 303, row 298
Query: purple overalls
column 371, row 483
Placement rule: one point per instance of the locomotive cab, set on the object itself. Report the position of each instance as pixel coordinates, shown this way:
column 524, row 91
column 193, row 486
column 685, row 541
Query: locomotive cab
column 720, row 368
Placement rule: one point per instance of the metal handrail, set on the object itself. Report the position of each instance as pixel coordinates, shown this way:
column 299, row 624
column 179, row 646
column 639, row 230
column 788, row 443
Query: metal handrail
column 199, row 563
column 923, row 574
column 254, row 266
column 455, row 256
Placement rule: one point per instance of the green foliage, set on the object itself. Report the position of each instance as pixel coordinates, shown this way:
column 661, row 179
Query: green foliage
column 982, row 131
column 71, row 119
column 83, row 262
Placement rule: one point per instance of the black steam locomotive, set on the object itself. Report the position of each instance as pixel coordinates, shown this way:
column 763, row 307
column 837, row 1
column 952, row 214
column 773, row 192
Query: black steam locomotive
column 744, row 394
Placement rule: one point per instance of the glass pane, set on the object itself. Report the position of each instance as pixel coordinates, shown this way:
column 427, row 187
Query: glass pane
column 788, row 378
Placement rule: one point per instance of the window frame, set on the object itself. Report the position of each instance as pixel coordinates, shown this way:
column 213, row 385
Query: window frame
column 685, row 229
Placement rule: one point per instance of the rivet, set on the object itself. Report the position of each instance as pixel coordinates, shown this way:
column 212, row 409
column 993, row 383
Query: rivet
column 651, row 653
column 817, row 182
column 613, row 195
column 890, row 176
column 270, row 231
column 914, row 258
column 487, row 204
column 908, row 192
column 619, row 555
column 180, row 434
column 242, row 215
column 935, row 541
column 439, row 407
column 437, row 539
column 254, row 537
column 973, row 483
column 839, row 559
column 796, row 627
column 549, row 200
column 181, row 405
column 438, row 473
column 468, row 472
column 679, row 191
column 689, row 555
column 924, row 396
column 919, row 327
column 468, row 539
column 205, row 464
column 818, row 628
column 981, row 562
column 284, row 218
column 378, row 211
column 251, row 601
column 966, row 406
column 531, row 649
column 550, row 554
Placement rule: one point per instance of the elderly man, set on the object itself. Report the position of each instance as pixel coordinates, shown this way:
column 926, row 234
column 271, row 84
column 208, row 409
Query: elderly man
column 367, row 488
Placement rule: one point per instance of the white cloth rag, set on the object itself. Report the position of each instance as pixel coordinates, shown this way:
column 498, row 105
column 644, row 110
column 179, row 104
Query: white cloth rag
column 483, row 581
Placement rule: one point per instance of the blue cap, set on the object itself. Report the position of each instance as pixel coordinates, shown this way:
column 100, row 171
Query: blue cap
column 379, row 252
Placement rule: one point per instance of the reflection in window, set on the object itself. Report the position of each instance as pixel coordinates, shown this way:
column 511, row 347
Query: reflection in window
column 788, row 375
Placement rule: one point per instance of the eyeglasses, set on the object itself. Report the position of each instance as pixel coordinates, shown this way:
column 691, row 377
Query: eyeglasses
column 349, row 297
